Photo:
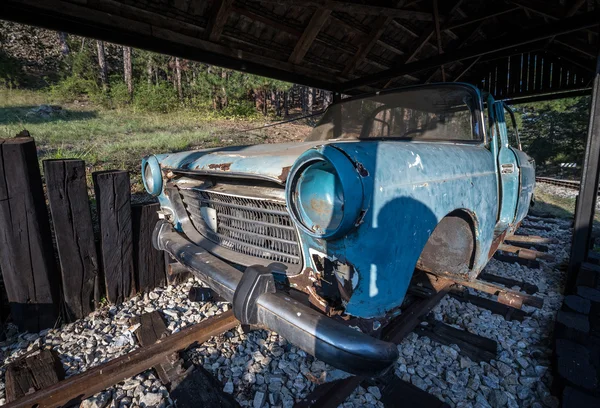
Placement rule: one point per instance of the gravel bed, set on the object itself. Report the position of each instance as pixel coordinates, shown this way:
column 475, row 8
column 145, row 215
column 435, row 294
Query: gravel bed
column 261, row 369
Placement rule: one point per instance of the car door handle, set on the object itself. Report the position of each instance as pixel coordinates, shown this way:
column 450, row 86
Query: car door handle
column 507, row 168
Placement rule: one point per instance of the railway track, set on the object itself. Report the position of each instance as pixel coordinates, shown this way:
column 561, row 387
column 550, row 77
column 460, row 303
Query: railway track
column 573, row 185
column 425, row 293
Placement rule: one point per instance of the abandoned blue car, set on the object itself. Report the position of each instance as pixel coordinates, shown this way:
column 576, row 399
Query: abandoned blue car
column 319, row 240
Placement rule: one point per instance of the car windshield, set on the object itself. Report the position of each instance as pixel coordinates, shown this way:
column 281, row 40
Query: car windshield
column 435, row 112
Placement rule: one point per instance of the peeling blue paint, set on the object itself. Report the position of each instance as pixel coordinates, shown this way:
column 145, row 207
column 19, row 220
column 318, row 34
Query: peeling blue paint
column 408, row 187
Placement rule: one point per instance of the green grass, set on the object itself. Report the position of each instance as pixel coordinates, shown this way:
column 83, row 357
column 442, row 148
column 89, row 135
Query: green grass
column 111, row 139
column 556, row 206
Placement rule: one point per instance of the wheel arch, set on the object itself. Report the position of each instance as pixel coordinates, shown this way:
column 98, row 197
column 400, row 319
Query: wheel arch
column 453, row 246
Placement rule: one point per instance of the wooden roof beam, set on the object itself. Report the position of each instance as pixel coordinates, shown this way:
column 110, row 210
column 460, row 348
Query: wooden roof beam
column 438, row 35
column 467, row 69
column 266, row 20
column 84, row 21
column 541, row 7
column 556, row 13
column 565, row 26
column 317, row 21
column 378, row 28
column 357, row 8
column 454, row 24
column 218, row 18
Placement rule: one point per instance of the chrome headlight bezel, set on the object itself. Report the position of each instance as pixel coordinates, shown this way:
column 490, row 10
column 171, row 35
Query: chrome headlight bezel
column 152, row 175
column 348, row 184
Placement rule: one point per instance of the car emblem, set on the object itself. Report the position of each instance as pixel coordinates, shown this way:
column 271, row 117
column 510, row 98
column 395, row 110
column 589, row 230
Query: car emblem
column 210, row 217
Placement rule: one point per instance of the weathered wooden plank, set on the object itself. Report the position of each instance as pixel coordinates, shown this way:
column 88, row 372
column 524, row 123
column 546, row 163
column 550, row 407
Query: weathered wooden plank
column 152, row 328
column 69, row 206
column 538, row 72
column 148, row 262
column 113, row 200
column 27, row 375
column 514, row 77
column 26, row 253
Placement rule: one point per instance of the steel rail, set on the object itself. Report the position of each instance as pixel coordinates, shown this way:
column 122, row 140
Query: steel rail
column 574, row 185
column 81, row 386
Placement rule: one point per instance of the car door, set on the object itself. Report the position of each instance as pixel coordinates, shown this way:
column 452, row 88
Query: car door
column 526, row 167
column 508, row 170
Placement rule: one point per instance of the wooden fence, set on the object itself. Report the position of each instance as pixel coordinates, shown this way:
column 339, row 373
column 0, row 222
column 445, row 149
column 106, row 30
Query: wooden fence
column 52, row 263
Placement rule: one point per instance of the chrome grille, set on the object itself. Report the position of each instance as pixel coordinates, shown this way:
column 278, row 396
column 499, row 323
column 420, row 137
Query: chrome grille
column 254, row 227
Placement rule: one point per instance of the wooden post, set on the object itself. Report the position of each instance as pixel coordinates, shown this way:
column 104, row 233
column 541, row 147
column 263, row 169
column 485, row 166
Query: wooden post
column 26, row 253
column 113, row 201
column 149, row 263
column 585, row 206
column 70, row 209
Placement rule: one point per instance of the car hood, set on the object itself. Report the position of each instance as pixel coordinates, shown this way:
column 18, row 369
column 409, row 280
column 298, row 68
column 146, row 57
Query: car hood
column 267, row 161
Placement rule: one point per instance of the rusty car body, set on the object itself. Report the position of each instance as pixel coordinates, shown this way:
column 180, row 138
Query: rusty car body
column 304, row 238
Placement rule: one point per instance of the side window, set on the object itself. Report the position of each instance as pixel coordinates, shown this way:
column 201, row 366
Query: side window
column 511, row 129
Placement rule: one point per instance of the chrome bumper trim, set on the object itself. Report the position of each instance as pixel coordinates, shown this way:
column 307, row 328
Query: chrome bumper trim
column 319, row 335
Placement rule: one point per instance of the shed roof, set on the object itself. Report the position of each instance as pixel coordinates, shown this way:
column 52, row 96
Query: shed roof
column 514, row 49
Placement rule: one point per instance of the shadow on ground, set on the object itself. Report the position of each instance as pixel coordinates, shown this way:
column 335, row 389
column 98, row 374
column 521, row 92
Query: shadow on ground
column 41, row 114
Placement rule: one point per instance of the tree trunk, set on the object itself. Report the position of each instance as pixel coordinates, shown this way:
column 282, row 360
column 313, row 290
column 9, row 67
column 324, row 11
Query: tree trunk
column 225, row 78
column 277, row 96
column 103, row 67
column 149, row 70
column 178, row 78
column 310, row 99
column 286, row 105
column 127, row 70
column 64, row 47
column 265, row 111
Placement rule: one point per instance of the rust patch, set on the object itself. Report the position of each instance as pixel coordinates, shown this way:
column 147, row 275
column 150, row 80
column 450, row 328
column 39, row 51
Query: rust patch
column 361, row 170
column 221, row 166
column 284, row 173
column 495, row 244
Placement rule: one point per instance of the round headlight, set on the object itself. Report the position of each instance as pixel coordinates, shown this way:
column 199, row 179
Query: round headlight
column 324, row 193
column 151, row 175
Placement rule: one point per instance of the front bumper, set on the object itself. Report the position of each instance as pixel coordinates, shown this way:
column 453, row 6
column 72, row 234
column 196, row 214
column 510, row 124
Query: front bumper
column 319, row 335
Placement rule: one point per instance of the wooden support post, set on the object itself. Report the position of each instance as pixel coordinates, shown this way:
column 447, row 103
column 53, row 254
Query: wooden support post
column 586, row 203
column 113, row 198
column 26, row 253
column 72, row 220
column 149, row 263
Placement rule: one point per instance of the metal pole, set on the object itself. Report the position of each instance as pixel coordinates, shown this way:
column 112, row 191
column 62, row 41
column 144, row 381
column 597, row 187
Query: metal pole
column 586, row 201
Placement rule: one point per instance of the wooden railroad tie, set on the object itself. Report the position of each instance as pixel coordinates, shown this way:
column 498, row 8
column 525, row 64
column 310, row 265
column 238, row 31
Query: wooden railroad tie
column 525, row 253
column 528, row 288
column 505, row 295
column 477, row 348
column 32, row 373
column 530, row 239
column 508, row 312
column 502, row 257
